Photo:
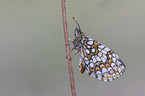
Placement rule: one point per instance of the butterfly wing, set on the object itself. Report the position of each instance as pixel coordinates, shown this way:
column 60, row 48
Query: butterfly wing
column 100, row 61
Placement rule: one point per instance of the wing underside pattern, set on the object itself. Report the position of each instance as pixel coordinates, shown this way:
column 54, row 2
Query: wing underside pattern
column 99, row 61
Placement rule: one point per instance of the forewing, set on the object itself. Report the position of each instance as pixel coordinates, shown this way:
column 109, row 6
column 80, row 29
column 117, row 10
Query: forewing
column 100, row 61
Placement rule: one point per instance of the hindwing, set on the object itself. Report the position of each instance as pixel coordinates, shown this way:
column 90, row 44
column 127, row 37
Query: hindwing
column 99, row 61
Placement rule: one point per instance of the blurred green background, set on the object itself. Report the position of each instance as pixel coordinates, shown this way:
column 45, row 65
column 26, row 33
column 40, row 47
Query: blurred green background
column 32, row 51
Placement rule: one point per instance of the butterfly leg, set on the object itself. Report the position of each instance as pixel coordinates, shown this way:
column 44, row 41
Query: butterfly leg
column 74, row 54
column 70, row 40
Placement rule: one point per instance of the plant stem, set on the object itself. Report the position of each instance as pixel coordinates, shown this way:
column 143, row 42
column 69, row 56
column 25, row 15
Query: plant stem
column 68, row 48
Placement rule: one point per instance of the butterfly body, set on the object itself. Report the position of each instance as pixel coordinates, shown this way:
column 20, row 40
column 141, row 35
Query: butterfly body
column 97, row 59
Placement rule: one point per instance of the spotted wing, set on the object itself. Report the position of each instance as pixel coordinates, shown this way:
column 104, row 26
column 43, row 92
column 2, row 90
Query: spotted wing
column 100, row 61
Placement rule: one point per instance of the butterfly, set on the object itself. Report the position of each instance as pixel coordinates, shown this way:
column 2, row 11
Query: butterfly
column 96, row 59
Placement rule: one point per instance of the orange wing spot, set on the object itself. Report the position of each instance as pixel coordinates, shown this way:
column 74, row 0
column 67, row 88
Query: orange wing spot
column 96, row 52
column 110, row 61
column 116, row 71
column 102, row 66
column 89, row 57
column 109, row 53
column 85, row 55
column 85, row 42
column 92, row 70
column 95, row 45
column 107, row 65
column 77, row 48
column 97, row 68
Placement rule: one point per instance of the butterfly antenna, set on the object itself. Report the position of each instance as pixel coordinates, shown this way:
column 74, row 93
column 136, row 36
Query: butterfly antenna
column 76, row 22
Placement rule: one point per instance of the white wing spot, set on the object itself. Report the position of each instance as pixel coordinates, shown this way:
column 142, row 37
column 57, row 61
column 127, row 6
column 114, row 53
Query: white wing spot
column 83, row 39
column 118, row 62
column 121, row 73
column 103, row 59
column 114, row 59
column 123, row 67
column 112, row 64
column 99, row 77
column 119, row 70
column 91, row 60
column 105, row 74
column 109, row 68
column 115, row 67
column 113, row 54
column 93, row 57
column 91, row 65
column 110, row 56
column 87, row 62
column 104, row 70
column 86, row 58
column 117, row 57
column 94, row 60
column 99, row 49
column 111, row 71
column 98, row 73
column 107, row 49
column 93, row 50
column 90, row 42
column 87, row 51
column 98, row 59
column 117, row 74
column 99, row 54
column 97, row 63
column 101, row 46
column 93, row 74
column 104, row 52
column 91, row 39
column 88, row 46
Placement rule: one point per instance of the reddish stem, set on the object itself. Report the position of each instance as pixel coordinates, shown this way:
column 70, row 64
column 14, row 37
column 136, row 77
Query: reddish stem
column 68, row 48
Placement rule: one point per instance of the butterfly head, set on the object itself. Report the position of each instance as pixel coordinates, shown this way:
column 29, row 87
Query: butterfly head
column 78, row 37
column 78, row 29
